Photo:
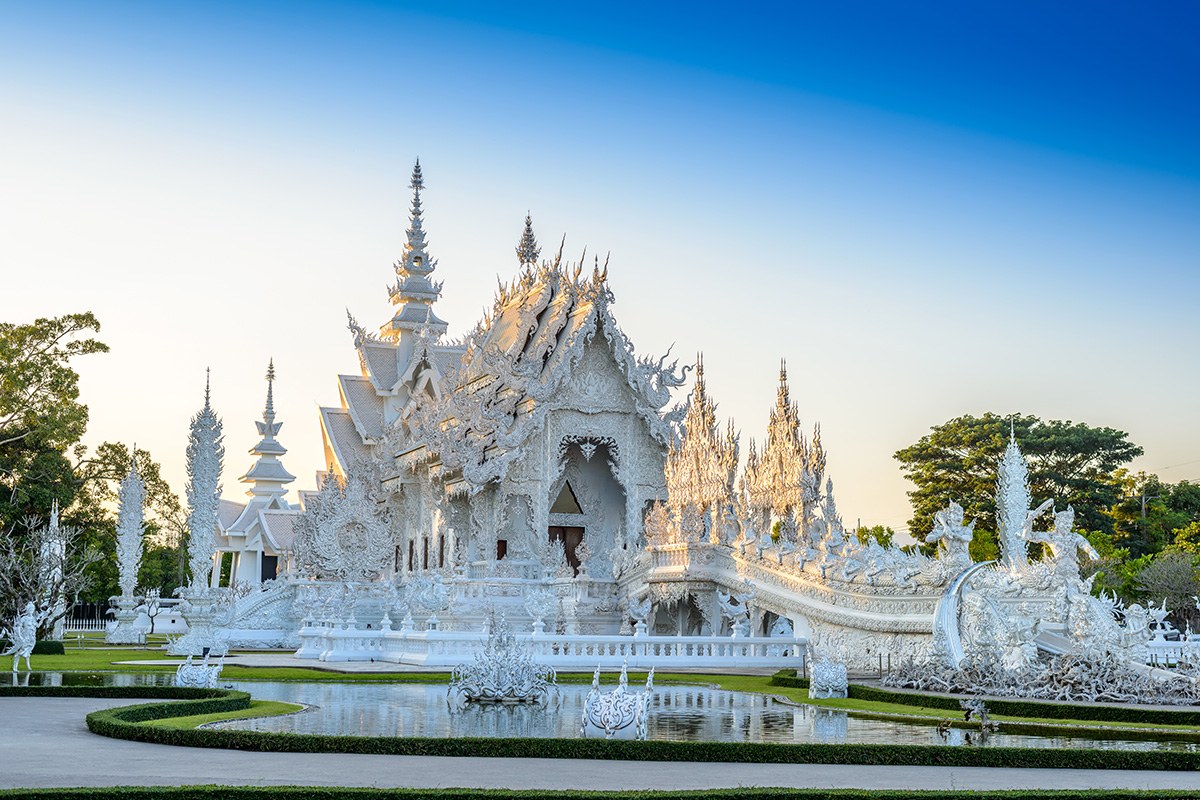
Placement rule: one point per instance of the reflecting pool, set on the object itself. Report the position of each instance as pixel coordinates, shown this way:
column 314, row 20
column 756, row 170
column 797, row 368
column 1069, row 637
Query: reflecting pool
column 681, row 713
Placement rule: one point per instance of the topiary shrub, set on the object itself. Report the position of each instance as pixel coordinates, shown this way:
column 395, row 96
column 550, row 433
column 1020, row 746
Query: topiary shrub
column 41, row 648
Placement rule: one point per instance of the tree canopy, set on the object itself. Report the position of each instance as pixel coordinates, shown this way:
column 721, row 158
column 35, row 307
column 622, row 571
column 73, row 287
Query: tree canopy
column 1068, row 462
column 41, row 417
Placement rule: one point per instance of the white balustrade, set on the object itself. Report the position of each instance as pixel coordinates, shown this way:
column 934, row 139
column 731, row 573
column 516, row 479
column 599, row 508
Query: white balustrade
column 448, row 648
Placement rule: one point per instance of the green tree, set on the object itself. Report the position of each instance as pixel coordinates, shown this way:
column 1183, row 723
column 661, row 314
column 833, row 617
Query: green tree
column 41, row 417
column 1150, row 512
column 1068, row 462
column 879, row 533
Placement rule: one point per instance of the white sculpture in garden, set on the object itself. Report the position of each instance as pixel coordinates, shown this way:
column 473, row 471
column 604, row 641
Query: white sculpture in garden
column 503, row 672
column 22, row 636
column 619, row 714
column 199, row 676
column 202, row 605
column 1003, row 613
column 828, row 679
column 131, row 527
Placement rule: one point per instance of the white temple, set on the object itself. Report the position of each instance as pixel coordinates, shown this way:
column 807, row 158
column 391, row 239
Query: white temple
column 531, row 469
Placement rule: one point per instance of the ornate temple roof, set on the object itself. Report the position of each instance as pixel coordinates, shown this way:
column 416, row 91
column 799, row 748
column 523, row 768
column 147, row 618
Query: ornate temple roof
column 473, row 402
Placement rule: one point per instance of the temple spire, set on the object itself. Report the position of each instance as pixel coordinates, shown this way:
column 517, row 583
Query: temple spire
column 269, row 411
column 268, row 475
column 414, row 293
column 527, row 249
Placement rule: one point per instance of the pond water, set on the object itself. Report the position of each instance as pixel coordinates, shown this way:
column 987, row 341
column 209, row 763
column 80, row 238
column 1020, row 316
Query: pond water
column 681, row 713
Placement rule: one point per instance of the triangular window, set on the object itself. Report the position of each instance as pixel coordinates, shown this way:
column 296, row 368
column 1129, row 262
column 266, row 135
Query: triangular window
column 566, row 502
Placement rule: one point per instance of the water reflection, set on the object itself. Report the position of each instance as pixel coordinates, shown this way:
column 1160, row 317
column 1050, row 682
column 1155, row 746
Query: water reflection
column 93, row 679
column 676, row 713
column 683, row 713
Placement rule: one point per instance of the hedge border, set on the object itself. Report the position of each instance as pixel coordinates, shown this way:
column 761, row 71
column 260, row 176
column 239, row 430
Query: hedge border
column 330, row 793
column 122, row 722
column 1011, row 708
column 42, row 647
column 119, row 692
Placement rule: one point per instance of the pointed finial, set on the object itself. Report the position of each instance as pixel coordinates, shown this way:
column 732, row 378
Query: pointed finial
column 269, row 411
column 417, row 183
column 1012, row 430
column 207, row 384
column 527, row 249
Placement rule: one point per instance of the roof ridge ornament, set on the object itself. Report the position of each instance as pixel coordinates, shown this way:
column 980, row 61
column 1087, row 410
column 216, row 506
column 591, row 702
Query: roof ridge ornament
column 527, row 249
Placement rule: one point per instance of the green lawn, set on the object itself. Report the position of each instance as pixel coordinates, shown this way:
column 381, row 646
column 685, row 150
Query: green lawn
column 258, row 708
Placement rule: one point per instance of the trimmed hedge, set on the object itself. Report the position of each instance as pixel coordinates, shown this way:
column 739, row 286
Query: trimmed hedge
column 330, row 793
column 122, row 722
column 42, row 647
column 1106, row 712
column 121, row 692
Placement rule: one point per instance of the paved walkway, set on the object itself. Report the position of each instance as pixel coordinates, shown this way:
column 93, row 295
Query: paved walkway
column 45, row 743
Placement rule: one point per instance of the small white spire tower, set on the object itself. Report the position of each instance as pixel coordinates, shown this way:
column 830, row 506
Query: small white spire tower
column 267, row 477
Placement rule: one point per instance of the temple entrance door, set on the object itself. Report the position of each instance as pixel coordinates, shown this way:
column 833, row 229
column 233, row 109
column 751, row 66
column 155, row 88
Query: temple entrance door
column 570, row 536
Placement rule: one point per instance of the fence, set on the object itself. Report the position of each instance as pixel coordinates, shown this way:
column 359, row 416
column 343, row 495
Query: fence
column 73, row 624
column 446, row 648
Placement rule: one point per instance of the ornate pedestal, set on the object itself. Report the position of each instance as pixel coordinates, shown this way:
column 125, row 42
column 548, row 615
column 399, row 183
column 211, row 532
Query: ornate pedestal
column 124, row 632
column 200, row 610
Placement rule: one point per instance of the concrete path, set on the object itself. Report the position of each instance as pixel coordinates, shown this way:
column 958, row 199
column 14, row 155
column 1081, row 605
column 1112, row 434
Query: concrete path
column 45, row 743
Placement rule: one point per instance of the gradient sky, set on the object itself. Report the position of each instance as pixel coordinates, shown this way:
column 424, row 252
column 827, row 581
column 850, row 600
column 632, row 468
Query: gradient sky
column 928, row 209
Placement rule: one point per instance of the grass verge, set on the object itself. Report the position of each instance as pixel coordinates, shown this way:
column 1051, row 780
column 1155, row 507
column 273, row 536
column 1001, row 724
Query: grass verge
column 258, row 708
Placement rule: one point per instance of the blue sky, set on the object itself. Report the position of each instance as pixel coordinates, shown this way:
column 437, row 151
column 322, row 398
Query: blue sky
column 929, row 209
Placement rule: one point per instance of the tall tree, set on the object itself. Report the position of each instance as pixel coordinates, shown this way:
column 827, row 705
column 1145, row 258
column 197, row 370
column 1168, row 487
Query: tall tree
column 41, row 417
column 1150, row 512
column 1068, row 462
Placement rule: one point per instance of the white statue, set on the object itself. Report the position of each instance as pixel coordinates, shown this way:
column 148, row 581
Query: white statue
column 736, row 607
column 953, row 537
column 1064, row 543
column 205, row 456
column 619, row 714
column 828, row 680
column 199, row 676
column 503, row 672
column 130, row 528
column 23, row 636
